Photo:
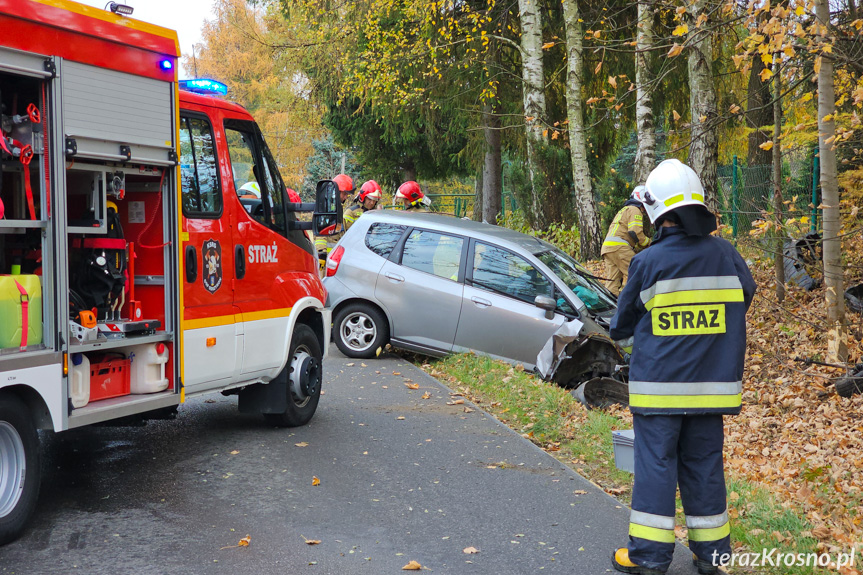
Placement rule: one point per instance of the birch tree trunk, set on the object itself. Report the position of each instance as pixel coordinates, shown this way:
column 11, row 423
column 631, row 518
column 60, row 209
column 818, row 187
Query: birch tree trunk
column 491, row 173
column 704, row 146
column 835, row 297
column 778, row 256
column 533, row 93
column 645, row 155
column 589, row 224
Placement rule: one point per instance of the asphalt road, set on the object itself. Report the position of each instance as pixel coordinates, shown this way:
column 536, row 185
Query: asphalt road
column 402, row 479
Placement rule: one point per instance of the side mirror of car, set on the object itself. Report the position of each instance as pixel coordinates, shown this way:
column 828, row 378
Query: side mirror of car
column 327, row 218
column 546, row 303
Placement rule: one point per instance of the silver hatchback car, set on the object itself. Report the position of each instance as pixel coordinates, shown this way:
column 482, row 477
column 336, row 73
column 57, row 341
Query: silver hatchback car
column 436, row 284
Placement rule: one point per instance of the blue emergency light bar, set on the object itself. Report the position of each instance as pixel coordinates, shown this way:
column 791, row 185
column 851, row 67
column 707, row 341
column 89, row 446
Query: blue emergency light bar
column 204, row 86
column 166, row 65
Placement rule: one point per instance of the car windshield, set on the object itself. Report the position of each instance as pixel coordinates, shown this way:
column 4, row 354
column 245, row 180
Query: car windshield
column 578, row 279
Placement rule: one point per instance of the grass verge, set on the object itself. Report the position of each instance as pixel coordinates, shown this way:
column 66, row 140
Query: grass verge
column 550, row 417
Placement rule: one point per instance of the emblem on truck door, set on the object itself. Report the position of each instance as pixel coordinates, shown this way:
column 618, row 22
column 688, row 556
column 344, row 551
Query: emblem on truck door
column 212, row 253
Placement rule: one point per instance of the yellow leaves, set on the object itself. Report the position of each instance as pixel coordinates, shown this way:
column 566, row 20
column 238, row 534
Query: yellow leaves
column 412, row 566
column 315, row 481
column 234, row 452
column 702, row 18
column 411, row 385
column 548, row 45
column 426, row 395
column 598, row 68
column 857, row 23
column 311, row 541
column 597, row 34
column 680, row 30
column 244, row 542
column 827, row 118
column 675, row 115
column 302, row 444
column 768, row 145
column 800, row 11
column 734, row 108
column 738, row 60
column 806, row 97
column 766, row 74
column 613, row 81
column 767, row 59
column 817, row 65
column 676, row 49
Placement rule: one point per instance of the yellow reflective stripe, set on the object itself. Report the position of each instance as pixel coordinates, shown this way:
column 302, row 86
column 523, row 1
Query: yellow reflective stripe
column 637, row 217
column 695, row 296
column 714, row 534
column 614, row 241
column 691, row 283
column 674, row 199
column 651, row 533
column 684, row 401
column 698, row 197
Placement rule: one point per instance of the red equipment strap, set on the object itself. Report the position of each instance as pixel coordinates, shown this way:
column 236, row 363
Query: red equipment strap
column 26, row 156
column 25, row 316
column 100, row 243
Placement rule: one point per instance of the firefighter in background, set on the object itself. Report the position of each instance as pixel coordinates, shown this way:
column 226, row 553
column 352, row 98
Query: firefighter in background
column 684, row 312
column 412, row 197
column 323, row 244
column 368, row 198
column 625, row 238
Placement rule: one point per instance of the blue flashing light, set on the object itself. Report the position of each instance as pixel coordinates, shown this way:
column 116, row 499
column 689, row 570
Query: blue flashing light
column 166, row 65
column 204, row 86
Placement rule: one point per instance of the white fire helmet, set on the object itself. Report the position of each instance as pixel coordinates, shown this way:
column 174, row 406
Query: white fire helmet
column 671, row 185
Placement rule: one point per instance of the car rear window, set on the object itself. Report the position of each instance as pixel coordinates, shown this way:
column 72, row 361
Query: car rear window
column 382, row 238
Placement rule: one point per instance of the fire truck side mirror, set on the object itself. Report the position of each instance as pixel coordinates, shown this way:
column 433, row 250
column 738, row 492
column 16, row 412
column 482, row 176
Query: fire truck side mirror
column 327, row 219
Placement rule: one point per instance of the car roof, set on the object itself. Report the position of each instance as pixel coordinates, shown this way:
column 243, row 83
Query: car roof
column 446, row 223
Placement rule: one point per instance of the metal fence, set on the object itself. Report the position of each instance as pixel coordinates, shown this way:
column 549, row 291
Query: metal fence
column 746, row 192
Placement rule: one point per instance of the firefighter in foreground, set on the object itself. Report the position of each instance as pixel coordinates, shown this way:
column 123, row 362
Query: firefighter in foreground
column 412, row 197
column 323, row 244
column 625, row 238
column 368, row 198
column 683, row 310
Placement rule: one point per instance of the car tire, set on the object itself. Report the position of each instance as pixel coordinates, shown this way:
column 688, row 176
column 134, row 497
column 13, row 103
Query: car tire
column 359, row 329
column 304, row 378
column 21, row 466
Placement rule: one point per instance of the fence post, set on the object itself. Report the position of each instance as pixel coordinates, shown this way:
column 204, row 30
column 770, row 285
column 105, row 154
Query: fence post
column 815, row 178
column 734, row 198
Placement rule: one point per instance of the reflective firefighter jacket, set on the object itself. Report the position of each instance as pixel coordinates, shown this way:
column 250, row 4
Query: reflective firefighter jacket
column 683, row 311
column 627, row 229
column 350, row 216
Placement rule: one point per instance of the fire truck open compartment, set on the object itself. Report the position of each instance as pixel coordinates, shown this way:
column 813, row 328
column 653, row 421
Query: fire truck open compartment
column 25, row 298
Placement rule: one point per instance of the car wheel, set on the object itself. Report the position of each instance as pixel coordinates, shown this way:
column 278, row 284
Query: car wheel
column 20, row 472
column 360, row 330
column 304, row 374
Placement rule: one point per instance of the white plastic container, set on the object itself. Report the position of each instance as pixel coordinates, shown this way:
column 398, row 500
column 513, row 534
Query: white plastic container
column 148, row 367
column 79, row 379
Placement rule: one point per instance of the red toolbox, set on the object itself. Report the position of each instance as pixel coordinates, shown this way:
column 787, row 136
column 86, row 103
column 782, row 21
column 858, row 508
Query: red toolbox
column 110, row 378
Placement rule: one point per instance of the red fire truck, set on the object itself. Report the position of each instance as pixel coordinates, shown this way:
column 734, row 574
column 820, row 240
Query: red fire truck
column 148, row 249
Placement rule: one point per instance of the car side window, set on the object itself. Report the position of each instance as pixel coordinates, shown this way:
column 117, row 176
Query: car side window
column 502, row 271
column 382, row 238
column 433, row 253
column 199, row 175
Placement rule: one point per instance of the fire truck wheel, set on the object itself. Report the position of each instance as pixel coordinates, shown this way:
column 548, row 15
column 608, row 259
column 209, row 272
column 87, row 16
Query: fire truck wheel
column 359, row 329
column 20, row 472
column 304, row 379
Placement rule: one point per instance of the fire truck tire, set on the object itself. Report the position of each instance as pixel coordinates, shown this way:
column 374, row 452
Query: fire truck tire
column 304, row 374
column 359, row 329
column 20, row 467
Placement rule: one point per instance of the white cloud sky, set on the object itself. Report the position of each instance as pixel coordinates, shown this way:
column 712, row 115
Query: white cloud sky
column 185, row 16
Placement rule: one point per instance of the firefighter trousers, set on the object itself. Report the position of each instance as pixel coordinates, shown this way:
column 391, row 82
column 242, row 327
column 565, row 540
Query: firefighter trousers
column 672, row 450
column 617, row 267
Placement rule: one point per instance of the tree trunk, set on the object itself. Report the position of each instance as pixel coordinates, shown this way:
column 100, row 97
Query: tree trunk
column 704, row 144
column 645, row 156
column 835, row 301
column 758, row 114
column 589, row 224
column 533, row 91
column 491, row 173
column 778, row 257
column 476, row 214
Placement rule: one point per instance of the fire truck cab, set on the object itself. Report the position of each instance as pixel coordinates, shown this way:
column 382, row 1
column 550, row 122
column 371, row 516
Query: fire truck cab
column 133, row 275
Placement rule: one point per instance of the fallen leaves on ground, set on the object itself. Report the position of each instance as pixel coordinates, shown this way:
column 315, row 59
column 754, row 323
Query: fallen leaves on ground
column 315, row 481
column 311, row 541
column 470, row 550
column 412, row 566
column 302, row 444
column 410, row 385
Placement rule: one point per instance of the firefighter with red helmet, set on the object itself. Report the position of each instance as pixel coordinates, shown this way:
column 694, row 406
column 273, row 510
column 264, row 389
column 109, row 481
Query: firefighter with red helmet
column 368, row 198
column 412, row 197
column 323, row 244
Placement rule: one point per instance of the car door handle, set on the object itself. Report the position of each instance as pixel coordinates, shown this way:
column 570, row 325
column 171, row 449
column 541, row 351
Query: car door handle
column 480, row 302
column 191, row 264
column 240, row 261
column 394, row 277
